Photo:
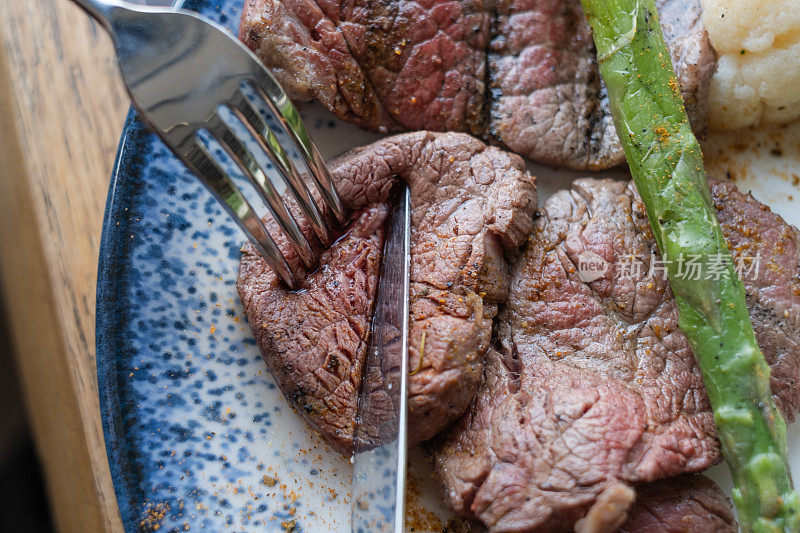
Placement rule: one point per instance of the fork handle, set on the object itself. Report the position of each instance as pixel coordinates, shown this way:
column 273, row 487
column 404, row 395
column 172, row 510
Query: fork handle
column 101, row 9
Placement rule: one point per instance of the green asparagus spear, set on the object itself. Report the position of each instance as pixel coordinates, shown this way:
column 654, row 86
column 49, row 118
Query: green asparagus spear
column 667, row 166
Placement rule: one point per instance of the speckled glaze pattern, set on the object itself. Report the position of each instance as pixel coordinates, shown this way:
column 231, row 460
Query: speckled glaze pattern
column 197, row 434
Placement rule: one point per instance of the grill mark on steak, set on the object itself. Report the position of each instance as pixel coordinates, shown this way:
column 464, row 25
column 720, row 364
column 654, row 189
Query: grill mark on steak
column 472, row 206
column 595, row 402
column 492, row 91
column 598, row 97
column 377, row 104
column 377, row 40
column 521, row 73
column 550, row 109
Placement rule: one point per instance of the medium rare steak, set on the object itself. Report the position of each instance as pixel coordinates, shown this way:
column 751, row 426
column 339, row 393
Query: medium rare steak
column 593, row 384
column 522, row 73
column 547, row 100
column 387, row 65
column 680, row 504
column 471, row 205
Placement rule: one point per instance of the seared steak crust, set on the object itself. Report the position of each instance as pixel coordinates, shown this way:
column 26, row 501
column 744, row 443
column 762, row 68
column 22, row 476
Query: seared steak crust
column 593, row 383
column 472, row 205
column 522, row 73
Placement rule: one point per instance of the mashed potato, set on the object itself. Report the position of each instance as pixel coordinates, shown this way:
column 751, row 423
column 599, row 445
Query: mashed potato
column 758, row 78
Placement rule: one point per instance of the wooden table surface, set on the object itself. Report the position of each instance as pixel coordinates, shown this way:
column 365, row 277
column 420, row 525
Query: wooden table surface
column 62, row 108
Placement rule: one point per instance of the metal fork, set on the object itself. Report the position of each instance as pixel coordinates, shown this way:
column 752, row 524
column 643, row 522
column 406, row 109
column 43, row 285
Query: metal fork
column 189, row 77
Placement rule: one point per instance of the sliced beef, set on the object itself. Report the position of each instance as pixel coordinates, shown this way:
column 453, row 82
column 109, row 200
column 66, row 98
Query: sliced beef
column 547, row 99
column 680, row 504
column 472, row 205
column 522, row 73
column 387, row 65
column 593, row 384
column 693, row 57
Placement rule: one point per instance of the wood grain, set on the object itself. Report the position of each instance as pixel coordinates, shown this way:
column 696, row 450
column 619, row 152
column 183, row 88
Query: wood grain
column 62, row 108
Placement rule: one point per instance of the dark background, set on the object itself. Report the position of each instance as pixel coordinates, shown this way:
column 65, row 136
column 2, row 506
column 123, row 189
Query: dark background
column 23, row 504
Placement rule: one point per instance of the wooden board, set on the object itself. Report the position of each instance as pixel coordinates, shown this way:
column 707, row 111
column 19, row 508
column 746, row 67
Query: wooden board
column 62, row 108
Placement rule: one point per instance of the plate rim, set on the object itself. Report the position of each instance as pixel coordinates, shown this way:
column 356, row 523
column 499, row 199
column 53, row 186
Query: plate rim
column 107, row 318
column 113, row 247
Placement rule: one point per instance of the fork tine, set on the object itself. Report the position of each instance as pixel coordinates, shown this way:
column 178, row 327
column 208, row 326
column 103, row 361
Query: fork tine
column 245, row 110
column 281, row 107
column 222, row 131
column 203, row 165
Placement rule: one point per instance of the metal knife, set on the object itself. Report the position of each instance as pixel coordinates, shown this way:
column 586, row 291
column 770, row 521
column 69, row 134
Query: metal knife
column 379, row 460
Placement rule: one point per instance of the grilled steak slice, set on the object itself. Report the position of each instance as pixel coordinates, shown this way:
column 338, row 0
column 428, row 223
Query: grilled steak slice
column 519, row 72
column 684, row 503
column 690, row 502
column 693, row 57
column 472, row 204
column 681, row 504
column 383, row 65
column 547, row 99
column 593, row 383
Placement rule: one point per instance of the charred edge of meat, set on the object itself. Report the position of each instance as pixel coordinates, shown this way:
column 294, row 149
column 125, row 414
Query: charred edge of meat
column 597, row 95
column 384, row 29
column 491, row 90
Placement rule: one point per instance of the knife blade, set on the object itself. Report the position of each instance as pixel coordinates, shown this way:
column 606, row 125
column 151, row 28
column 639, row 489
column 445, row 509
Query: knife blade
column 379, row 460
